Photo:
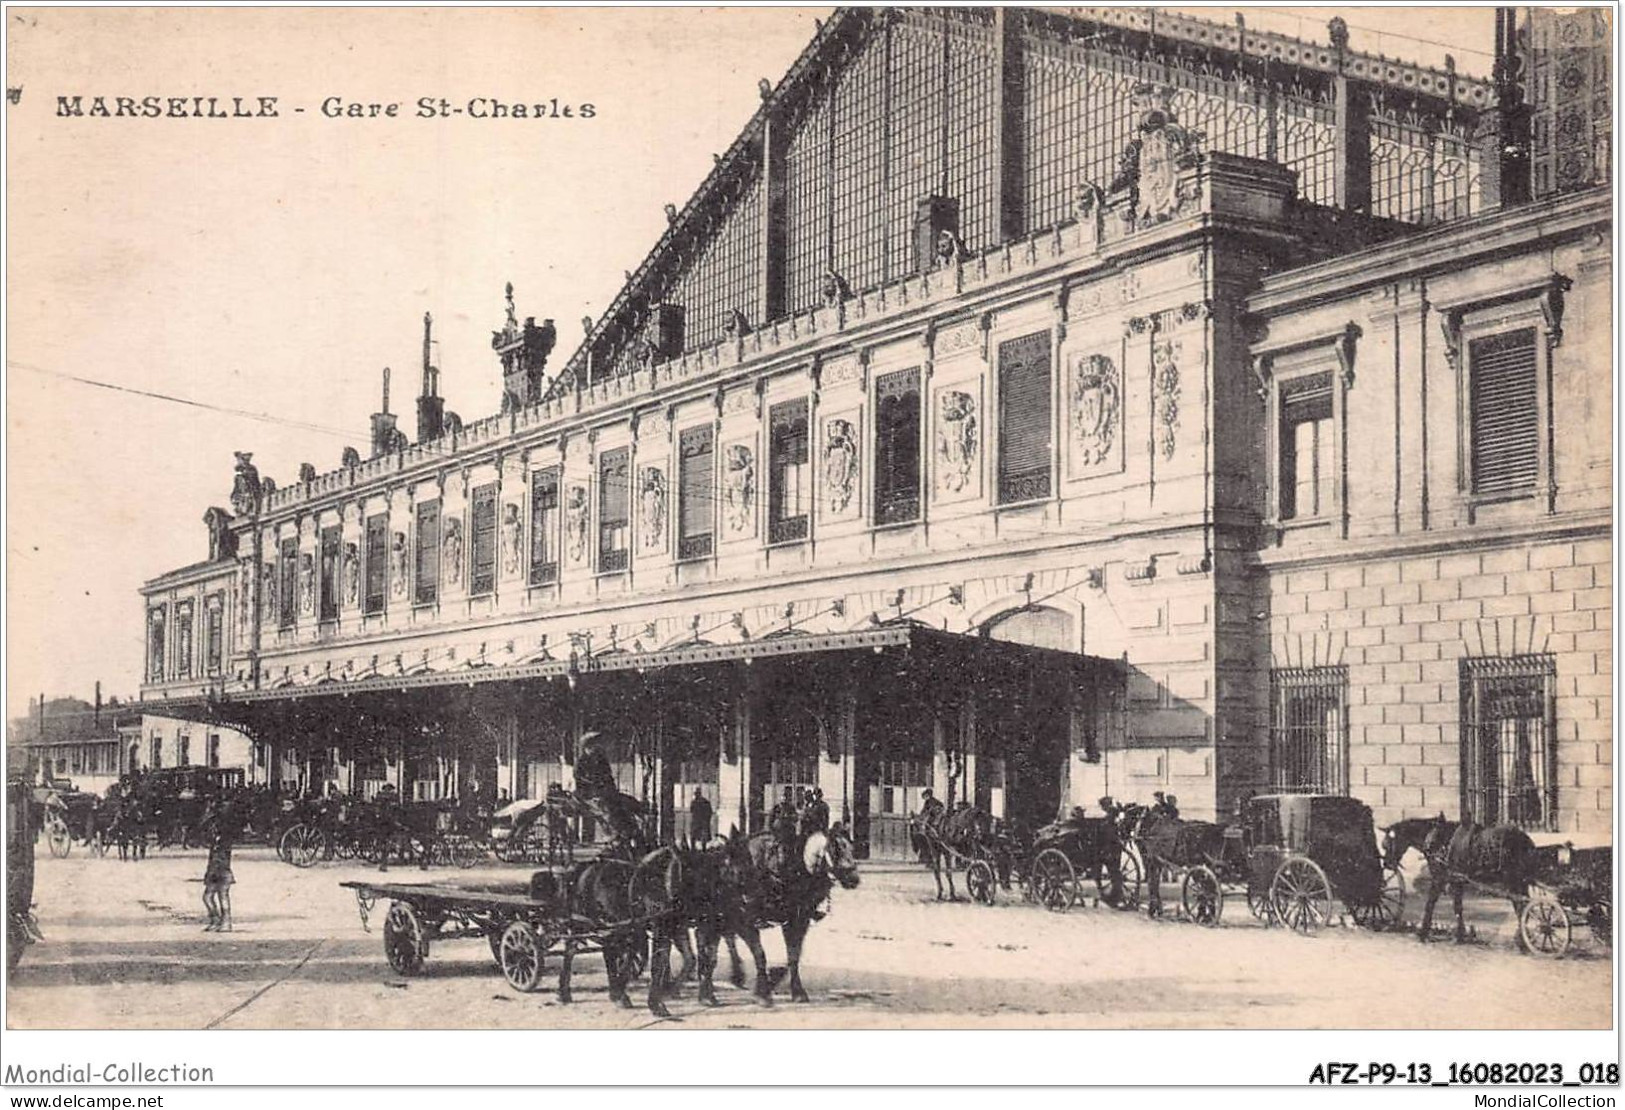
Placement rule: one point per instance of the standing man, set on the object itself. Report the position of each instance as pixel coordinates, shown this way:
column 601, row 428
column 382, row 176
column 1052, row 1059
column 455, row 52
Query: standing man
column 699, row 819
column 815, row 813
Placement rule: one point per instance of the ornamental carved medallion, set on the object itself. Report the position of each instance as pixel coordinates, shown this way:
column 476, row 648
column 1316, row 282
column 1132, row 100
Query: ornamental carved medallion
column 1165, row 394
column 652, row 507
column 1097, row 408
column 575, row 523
column 739, row 487
column 958, row 438
column 840, row 464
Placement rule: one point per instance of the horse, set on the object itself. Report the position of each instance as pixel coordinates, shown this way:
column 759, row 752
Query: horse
column 1170, row 842
column 759, row 886
column 960, row 834
column 1499, row 857
column 128, row 829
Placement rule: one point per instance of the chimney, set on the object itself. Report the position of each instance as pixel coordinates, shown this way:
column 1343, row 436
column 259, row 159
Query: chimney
column 384, row 432
column 98, row 703
column 431, row 408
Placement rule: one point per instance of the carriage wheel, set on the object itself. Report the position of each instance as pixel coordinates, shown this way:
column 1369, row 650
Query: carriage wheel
column 1202, row 896
column 344, row 848
column 1601, row 919
column 1544, row 926
column 1055, row 883
column 302, row 845
column 1301, row 895
column 1128, row 865
column 520, row 955
column 59, row 838
column 1259, row 904
column 1389, row 907
column 980, row 882
column 465, row 853
column 406, row 944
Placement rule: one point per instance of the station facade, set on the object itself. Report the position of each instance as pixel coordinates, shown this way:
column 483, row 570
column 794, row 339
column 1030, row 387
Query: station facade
column 1028, row 407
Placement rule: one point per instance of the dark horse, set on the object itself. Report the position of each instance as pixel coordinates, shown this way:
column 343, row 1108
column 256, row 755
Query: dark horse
column 750, row 884
column 1500, row 858
column 1166, row 843
column 959, row 836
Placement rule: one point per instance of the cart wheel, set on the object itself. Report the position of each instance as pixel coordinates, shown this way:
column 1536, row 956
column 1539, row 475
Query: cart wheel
column 980, row 882
column 406, row 944
column 1389, row 908
column 521, row 957
column 60, row 839
column 1055, row 883
column 1128, row 898
column 1601, row 919
column 465, row 853
column 1301, row 895
column 1544, row 926
column 344, row 848
column 302, row 845
column 1202, row 896
column 1259, row 904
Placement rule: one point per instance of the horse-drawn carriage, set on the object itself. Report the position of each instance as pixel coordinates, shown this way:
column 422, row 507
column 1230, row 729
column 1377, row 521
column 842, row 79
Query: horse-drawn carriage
column 1571, row 884
column 69, row 815
column 1293, row 855
column 1066, row 853
column 343, row 828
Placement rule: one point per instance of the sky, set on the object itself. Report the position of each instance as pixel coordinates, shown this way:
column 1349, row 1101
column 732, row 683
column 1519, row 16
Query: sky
column 275, row 266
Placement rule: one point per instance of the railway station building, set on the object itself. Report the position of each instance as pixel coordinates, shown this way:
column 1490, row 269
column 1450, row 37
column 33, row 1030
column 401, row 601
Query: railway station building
column 1029, row 406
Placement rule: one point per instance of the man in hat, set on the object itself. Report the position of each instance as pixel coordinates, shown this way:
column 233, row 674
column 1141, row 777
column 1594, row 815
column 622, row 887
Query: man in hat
column 815, row 813
column 699, row 818
column 595, row 786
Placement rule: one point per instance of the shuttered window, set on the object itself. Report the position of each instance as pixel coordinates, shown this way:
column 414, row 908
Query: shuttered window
column 1024, row 418
column 1505, row 412
column 1306, row 448
column 328, row 607
column 544, row 526
column 897, row 447
column 214, row 631
column 695, row 505
column 426, row 572
column 377, row 562
column 288, row 572
column 482, row 576
column 614, row 495
column 789, row 491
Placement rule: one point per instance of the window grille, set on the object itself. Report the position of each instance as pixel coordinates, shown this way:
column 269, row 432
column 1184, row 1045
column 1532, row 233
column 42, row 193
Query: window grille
column 726, row 275
column 544, row 526
column 289, row 573
column 897, row 447
column 789, row 492
column 696, row 504
column 377, row 562
column 972, row 81
column 858, row 167
column 807, row 211
column 482, row 575
column 1307, row 461
column 1508, row 740
column 426, row 588
column 1505, row 422
column 1309, row 730
column 613, row 499
column 915, row 144
column 1024, row 418
column 328, row 607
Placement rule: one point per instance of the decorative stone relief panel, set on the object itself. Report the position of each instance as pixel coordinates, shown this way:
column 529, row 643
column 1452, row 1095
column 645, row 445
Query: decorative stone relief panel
column 513, row 539
column 399, row 565
column 739, row 489
column 841, row 464
column 1165, row 390
column 451, row 549
column 839, row 371
column 575, row 524
column 652, row 507
column 957, row 339
column 352, row 575
column 1094, row 415
column 307, row 584
column 957, row 452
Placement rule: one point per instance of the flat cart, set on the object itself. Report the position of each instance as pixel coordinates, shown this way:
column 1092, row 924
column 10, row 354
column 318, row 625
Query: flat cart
column 521, row 926
column 1297, row 855
column 1574, row 885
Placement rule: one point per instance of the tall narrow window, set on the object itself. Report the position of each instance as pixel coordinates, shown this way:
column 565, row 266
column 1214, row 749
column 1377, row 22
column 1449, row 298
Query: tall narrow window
column 426, row 583
column 614, row 496
column 1308, row 715
column 1505, row 413
column 157, row 629
column 1508, row 740
column 183, row 639
column 377, row 562
column 482, row 576
column 214, row 632
column 183, row 750
column 288, row 572
column 214, row 749
column 897, row 447
column 789, row 492
column 1307, row 459
column 332, row 538
column 696, row 505
column 544, row 526
column 1024, row 418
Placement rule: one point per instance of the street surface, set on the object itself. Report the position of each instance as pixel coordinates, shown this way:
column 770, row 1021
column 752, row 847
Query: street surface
column 125, row 948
